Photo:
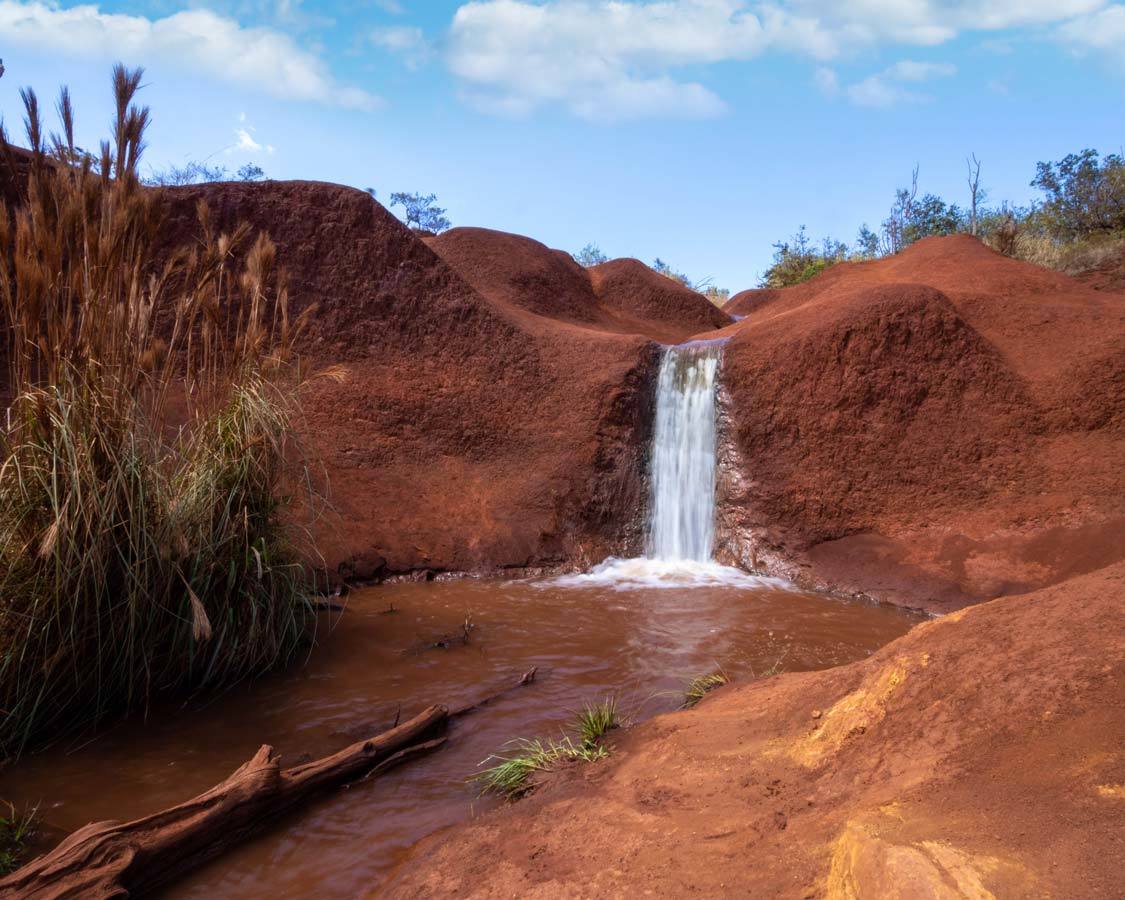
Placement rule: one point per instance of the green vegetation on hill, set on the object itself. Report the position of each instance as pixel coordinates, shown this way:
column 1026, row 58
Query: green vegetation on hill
column 1078, row 225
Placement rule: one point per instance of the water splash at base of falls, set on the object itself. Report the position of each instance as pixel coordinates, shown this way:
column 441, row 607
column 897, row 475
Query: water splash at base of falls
column 635, row 574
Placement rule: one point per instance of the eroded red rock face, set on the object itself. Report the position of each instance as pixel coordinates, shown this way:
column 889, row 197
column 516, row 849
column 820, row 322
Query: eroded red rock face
column 935, row 429
column 623, row 296
column 495, row 412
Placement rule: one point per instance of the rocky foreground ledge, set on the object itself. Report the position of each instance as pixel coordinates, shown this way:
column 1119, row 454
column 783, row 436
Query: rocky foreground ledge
column 978, row 756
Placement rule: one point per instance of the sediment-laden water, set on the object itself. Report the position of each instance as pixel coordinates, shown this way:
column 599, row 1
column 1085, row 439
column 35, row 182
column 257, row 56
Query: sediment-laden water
column 642, row 644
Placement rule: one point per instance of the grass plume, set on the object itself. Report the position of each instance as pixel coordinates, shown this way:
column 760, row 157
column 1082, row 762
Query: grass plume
column 147, row 450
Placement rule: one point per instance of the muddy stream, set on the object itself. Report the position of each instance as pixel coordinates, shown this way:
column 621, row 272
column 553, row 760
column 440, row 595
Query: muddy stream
column 589, row 641
column 636, row 629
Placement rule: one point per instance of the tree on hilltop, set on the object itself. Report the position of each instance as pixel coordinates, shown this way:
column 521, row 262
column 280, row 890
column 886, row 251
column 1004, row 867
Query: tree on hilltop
column 590, row 255
column 421, row 212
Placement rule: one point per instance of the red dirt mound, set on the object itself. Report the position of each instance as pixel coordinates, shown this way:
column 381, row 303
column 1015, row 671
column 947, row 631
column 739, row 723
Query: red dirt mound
column 624, row 296
column 462, row 438
column 521, row 272
column 634, row 291
column 752, row 300
column 935, row 429
column 977, row 756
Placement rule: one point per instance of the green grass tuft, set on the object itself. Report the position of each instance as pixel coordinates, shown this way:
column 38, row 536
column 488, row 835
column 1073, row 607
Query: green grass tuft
column 594, row 721
column 702, row 685
column 511, row 775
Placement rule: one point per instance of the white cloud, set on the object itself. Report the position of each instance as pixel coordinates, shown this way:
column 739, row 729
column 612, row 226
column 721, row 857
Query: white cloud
column 601, row 60
column 909, row 70
column 405, row 41
column 399, row 37
column 262, row 59
column 998, row 46
column 615, row 58
column 245, row 141
column 1103, row 31
column 931, row 22
column 886, row 88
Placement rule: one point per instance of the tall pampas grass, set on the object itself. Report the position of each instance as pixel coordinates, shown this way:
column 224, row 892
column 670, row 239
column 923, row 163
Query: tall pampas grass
column 146, row 544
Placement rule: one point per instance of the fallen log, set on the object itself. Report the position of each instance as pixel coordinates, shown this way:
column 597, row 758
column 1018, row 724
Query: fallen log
column 115, row 859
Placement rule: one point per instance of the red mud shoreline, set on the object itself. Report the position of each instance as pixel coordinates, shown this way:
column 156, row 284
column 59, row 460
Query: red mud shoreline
column 943, row 766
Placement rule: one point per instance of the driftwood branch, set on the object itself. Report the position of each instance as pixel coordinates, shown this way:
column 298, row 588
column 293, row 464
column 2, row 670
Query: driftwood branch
column 115, row 859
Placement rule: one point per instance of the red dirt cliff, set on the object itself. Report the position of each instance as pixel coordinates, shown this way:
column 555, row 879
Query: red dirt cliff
column 936, row 428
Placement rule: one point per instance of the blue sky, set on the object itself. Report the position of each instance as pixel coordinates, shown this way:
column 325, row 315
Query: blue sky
column 699, row 131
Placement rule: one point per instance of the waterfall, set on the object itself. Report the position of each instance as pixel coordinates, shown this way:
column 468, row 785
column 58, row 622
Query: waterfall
column 684, row 465
column 682, row 511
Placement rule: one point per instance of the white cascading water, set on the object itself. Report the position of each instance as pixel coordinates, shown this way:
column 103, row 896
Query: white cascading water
column 682, row 512
column 681, row 526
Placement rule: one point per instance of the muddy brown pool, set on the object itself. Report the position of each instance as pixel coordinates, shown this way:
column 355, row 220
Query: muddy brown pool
column 641, row 645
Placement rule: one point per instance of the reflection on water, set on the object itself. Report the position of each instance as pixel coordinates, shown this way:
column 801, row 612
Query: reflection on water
column 642, row 644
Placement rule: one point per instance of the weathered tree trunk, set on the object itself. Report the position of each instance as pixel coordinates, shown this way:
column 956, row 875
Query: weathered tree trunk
column 114, row 859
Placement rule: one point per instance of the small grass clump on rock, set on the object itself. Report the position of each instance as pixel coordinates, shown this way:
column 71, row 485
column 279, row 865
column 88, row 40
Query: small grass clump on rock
column 511, row 776
column 145, row 541
column 701, row 685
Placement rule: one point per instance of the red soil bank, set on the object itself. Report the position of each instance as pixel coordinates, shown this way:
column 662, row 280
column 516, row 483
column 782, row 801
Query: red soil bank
column 495, row 412
column 979, row 756
column 937, row 428
column 635, row 291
